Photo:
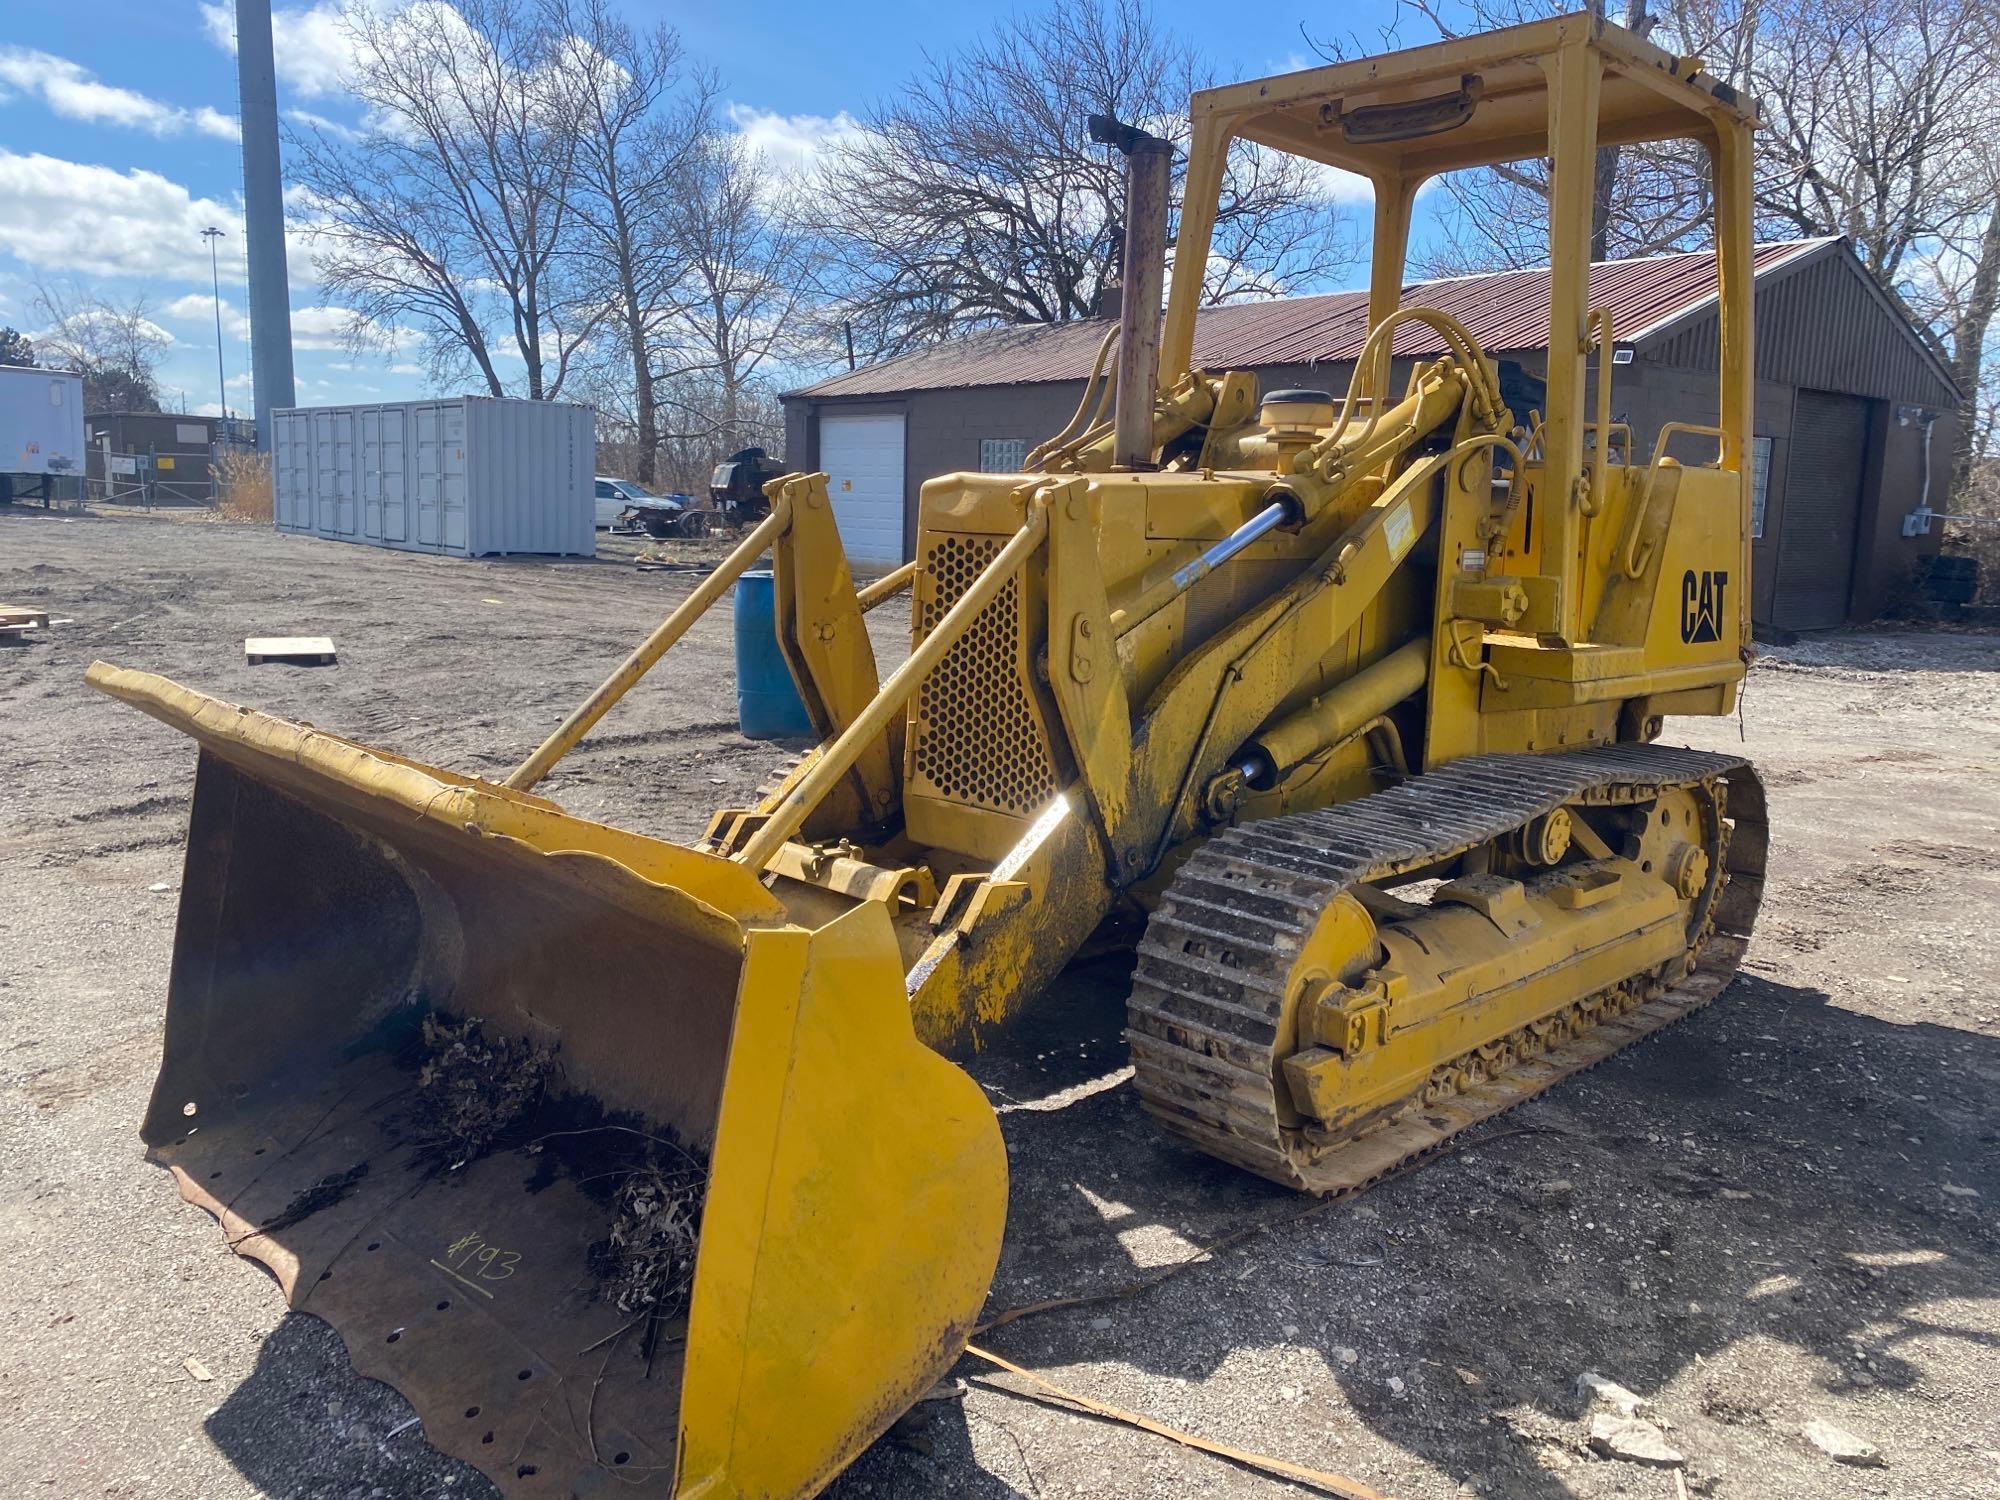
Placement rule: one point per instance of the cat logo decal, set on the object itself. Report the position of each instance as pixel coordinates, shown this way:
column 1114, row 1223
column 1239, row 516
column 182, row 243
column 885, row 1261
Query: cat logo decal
column 1701, row 605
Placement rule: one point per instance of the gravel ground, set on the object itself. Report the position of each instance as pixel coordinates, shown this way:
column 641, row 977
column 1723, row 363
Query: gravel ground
column 1779, row 1211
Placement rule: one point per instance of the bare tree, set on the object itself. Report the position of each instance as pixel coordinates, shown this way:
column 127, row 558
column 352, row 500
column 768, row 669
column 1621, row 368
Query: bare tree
column 976, row 197
column 1644, row 198
column 691, row 450
column 1884, row 121
column 745, row 281
column 1974, row 362
column 450, row 213
column 115, row 346
column 1957, row 290
column 643, row 122
column 1873, row 109
column 1869, row 106
column 692, row 437
column 1880, row 122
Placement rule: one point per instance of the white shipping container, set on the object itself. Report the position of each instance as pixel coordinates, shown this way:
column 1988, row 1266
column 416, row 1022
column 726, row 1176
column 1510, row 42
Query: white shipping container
column 41, row 421
column 470, row 475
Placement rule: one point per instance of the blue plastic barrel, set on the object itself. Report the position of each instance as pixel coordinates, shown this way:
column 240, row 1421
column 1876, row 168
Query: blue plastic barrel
column 768, row 706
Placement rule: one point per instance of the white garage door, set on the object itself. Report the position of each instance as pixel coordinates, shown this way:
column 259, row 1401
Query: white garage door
column 863, row 460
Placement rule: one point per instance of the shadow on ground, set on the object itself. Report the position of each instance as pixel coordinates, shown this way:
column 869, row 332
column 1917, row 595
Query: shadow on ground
column 1769, row 1171
column 1772, row 1170
column 304, row 1425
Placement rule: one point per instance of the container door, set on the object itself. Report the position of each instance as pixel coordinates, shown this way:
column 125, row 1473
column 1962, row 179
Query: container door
column 863, row 460
column 305, row 495
column 451, row 477
column 430, row 476
column 347, row 491
column 326, row 476
column 291, row 471
column 395, row 474
column 371, row 473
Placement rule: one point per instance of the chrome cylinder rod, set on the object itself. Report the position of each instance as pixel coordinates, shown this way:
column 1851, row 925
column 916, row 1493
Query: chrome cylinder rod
column 1185, row 577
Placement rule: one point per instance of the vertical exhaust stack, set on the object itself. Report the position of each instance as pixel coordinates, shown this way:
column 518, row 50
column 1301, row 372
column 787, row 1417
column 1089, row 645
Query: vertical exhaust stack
column 1149, row 164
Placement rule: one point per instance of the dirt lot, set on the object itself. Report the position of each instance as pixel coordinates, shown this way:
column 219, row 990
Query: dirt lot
column 1783, row 1209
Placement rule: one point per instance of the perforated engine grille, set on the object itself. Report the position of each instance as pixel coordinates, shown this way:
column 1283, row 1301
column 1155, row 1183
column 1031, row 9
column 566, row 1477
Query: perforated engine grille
column 977, row 738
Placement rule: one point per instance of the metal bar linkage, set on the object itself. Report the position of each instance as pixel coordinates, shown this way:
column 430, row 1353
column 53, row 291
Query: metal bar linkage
column 650, row 650
column 1600, row 323
column 887, row 587
column 839, row 757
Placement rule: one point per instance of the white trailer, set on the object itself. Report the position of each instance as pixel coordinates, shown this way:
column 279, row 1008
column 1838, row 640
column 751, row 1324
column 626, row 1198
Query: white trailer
column 470, row 475
column 41, row 431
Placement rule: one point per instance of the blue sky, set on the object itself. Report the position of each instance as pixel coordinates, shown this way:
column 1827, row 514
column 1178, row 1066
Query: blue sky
column 117, row 139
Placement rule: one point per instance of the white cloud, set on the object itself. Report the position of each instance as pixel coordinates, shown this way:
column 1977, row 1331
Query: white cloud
column 98, row 221
column 792, row 143
column 98, row 317
column 308, row 43
column 75, row 93
column 1343, row 187
column 196, row 308
column 214, row 122
column 321, row 327
column 322, row 124
column 333, row 327
column 789, row 143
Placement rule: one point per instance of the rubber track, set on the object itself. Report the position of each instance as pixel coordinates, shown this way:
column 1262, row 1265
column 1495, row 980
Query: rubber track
column 1209, row 988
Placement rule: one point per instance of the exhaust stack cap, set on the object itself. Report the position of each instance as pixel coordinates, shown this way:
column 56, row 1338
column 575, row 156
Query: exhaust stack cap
column 1107, row 131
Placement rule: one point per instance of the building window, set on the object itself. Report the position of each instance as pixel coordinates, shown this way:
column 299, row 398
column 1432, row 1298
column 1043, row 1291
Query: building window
column 1003, row 455
column 1760, row 482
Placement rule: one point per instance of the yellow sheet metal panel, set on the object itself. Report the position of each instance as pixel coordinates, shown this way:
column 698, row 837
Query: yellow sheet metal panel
column 854, row 1218
column 343, row 773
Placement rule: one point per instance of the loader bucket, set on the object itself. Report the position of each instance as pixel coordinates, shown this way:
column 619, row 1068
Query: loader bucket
column 335, row 896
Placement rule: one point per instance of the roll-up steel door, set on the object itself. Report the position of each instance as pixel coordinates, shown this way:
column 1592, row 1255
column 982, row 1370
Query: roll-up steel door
column 1820, row 524
column 862, row 456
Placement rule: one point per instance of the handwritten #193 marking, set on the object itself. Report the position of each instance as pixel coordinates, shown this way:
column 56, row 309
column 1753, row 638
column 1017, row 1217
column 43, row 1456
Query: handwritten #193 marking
column 471, row 1260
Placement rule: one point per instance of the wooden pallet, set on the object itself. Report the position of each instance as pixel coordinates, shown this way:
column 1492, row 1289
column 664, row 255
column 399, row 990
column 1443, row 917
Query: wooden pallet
column 17, row 621
column 299, row 650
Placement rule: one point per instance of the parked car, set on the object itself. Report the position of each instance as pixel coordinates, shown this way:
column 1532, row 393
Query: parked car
column 627, row 503
column 613, row 496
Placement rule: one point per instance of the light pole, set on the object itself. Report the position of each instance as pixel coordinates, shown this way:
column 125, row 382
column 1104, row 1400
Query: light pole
column 212, row 234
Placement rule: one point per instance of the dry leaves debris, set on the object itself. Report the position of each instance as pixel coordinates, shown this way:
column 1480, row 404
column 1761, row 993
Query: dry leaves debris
column 473, row 1089
column 648, row 1261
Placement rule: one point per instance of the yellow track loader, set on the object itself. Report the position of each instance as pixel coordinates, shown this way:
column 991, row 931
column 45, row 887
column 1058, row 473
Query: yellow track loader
column 646, row 1168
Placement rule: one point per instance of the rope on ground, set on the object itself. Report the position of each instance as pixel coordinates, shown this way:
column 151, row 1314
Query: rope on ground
column 1249, row 1231
column 1332, row 1484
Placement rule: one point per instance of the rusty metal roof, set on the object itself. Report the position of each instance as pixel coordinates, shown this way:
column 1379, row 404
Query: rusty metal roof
column 1507, row 310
